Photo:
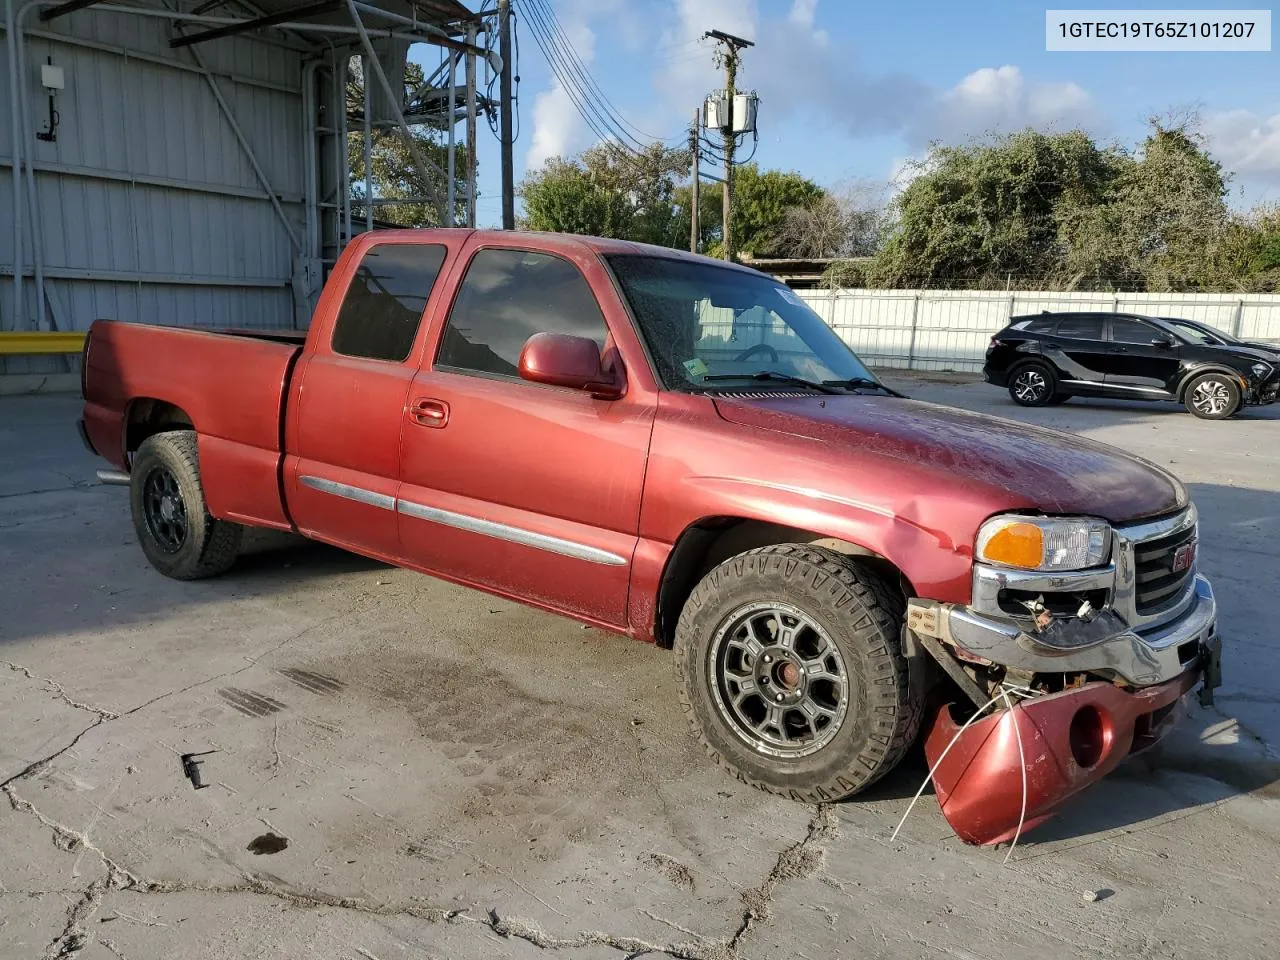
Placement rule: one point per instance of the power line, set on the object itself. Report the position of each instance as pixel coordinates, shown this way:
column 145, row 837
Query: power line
column 596, row 110
column 586, row 76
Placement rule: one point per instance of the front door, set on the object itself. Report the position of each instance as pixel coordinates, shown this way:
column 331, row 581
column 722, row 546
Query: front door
column 525, row 489
column 348, row 406
column 1136, row 364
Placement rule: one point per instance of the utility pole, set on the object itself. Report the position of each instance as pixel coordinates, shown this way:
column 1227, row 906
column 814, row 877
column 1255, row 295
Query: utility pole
column 729, row 55
column 695, row 149
column 508, row 159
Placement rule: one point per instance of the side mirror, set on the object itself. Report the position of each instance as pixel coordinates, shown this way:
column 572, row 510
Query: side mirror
column 1164, row 343
column 561, row 360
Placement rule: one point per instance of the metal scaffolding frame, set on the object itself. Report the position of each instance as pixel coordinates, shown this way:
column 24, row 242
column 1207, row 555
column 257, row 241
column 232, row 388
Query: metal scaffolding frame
column 308, row 28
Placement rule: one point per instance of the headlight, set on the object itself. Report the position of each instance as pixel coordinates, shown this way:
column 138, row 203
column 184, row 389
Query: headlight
column 1044, row 543
column 1260, row 370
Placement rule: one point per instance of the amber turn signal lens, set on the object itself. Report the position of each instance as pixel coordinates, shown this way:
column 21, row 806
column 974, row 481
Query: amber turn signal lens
column 1016, row 545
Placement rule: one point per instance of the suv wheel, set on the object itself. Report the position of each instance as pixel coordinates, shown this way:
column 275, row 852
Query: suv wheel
column 1033, row 385
column 792, row 673
column 1212, row 396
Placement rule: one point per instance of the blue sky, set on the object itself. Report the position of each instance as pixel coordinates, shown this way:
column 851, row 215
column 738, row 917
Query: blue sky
column 850, row 90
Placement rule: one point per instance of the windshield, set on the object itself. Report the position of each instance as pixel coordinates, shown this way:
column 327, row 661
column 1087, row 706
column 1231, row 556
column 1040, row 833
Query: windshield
column 1196, row 333
column 701, row 321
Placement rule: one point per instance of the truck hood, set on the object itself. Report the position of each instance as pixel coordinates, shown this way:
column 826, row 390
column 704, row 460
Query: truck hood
column 1022, row 466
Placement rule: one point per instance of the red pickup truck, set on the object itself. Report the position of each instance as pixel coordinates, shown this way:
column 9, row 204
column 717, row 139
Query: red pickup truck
column 681, row 450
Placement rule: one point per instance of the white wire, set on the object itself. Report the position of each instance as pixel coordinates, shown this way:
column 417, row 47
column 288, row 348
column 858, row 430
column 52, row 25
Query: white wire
column 1022, row 765
column 938, row 762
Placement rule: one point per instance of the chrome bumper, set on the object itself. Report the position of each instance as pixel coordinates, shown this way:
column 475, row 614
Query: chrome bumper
column 1141, row 657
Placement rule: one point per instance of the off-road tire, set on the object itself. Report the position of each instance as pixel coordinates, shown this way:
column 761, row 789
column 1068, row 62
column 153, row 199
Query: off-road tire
column 1045, row 389
column 862, row 615
column 210, row 546
column 1229, row 385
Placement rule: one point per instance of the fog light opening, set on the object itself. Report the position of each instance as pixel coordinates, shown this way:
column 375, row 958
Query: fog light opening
column 1087, row 737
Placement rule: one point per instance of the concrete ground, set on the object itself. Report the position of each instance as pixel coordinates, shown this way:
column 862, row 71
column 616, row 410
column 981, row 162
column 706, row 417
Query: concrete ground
column 393, row 767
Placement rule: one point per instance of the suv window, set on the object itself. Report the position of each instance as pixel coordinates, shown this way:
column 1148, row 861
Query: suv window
column 383, row 308
column 1081, row 326
column 506, row 297
column 1126, row 330
column 1039, row 325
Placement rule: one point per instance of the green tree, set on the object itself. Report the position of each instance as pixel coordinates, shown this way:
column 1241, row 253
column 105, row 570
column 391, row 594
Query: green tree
column 609, row 192
column 1163, row 224
column 986, row 211
column 395, row 173
column 762, row 202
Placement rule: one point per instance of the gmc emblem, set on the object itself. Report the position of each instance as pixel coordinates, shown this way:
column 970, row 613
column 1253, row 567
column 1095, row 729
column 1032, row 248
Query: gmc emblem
column 1184, row 556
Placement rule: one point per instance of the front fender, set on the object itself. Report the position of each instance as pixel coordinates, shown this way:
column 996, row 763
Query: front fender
column 929, row 558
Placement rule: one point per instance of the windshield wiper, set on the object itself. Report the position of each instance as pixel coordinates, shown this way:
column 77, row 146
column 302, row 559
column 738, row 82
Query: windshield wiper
column 773, row 375
column 853, row 382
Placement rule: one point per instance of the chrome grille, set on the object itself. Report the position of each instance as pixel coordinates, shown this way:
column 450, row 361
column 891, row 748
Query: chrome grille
column 1155, row 581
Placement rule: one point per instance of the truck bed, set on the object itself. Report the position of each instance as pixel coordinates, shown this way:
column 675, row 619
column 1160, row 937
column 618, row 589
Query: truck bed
column 230, row 385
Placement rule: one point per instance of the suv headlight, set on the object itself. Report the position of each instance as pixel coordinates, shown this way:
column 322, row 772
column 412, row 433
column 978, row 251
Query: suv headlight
column 1261, row 370
column 1044, row 543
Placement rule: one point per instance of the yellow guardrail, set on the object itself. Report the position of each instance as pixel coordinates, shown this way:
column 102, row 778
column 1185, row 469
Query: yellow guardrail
column 25, row 343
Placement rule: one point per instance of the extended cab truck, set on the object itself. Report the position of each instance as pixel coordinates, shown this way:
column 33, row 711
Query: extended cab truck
column 680, row 450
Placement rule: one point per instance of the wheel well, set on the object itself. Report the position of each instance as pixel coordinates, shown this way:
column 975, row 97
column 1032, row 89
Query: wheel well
column 1029, row 362
column 713, row 540
column 147, row 417
column 1186, row 381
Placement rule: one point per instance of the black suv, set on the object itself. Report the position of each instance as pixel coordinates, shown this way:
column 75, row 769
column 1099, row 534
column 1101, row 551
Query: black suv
column 1046, row 358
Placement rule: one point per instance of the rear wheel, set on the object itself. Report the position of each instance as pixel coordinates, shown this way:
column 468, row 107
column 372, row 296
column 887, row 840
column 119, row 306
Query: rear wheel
column 170, row 516
column 792, row 673
column 1033, row 385
column 1212, row 396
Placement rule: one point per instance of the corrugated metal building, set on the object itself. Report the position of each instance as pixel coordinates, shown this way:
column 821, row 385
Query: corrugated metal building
column 152, row 170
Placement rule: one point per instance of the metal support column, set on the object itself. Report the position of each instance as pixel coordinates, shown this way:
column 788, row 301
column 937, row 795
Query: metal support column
column 451, row 188
column 368, row 136
column 394, row 97
column 471, row 129
column 11, row 42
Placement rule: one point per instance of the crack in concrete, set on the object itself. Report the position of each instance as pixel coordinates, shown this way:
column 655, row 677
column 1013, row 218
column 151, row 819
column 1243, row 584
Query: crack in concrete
column 800, row 860
column 60, row 693
column 36, row 766
column 1252, row 734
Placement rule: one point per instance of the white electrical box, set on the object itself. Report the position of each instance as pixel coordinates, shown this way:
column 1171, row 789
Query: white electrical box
column 744, row 112
column 51, row 77
column 716, row 112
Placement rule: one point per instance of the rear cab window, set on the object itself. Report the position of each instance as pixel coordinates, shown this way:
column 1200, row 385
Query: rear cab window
column 385, row 301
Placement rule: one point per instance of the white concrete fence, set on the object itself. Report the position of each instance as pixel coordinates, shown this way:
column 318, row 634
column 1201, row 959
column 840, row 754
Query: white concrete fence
column 950, row 329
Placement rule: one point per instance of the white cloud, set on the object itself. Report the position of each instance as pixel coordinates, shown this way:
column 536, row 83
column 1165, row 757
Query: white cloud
column 1001, row 100
column 558, row 128
column 1246, row 143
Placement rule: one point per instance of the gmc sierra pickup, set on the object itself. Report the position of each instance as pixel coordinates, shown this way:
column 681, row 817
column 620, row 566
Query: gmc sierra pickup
column 680, row 450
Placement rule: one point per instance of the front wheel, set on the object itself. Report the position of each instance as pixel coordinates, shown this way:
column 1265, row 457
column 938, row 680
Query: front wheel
column 792, row 672
column 1212, row 396
column 170, row 516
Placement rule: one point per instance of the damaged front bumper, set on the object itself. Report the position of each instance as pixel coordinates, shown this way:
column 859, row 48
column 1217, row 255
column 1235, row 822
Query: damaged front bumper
column 1146, row 634
column 1069, row 741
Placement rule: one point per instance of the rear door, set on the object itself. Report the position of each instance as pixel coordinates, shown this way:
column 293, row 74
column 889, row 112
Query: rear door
column 525, row 489
column 348, row 410
column 1079, row 351
column 1135, row 364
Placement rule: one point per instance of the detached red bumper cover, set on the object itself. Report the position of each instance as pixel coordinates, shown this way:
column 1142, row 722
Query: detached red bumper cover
column 1070, row 740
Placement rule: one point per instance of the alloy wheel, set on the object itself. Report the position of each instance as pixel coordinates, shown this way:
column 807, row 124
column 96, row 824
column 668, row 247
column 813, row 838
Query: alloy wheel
column 1030, row 386
column 165, row 513
column 778, row 680
column 1211, row 397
